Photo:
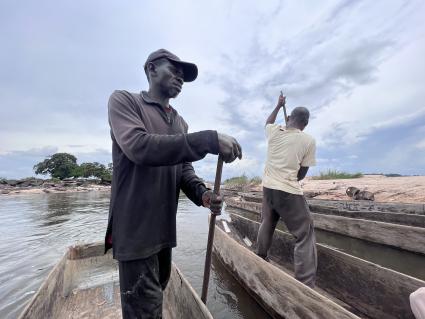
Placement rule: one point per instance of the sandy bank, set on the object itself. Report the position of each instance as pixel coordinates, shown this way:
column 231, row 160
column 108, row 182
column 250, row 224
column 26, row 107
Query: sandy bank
column 409, row 189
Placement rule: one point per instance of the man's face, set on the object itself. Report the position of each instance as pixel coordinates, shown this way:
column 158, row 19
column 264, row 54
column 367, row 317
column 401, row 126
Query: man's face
column 169, row 78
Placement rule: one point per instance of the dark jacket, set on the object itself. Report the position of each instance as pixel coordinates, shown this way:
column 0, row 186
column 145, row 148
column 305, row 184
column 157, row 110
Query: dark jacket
column 152, row 154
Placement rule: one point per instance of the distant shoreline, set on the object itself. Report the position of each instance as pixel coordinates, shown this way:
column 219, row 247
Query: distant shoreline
column 53, row 190
column 41, row 186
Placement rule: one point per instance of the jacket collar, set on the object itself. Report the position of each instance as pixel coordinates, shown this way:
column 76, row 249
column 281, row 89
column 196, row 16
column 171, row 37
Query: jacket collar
column 147, row 99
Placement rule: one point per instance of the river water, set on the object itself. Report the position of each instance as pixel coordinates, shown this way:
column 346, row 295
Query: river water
column 36, row 229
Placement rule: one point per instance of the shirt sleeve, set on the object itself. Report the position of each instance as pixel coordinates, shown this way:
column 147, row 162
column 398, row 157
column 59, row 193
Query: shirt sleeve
column 310, row 156
column 270, row 129
column 190, row 183
column 144, row 148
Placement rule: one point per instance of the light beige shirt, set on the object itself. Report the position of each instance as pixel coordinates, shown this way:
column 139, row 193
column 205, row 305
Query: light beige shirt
column 287, row 151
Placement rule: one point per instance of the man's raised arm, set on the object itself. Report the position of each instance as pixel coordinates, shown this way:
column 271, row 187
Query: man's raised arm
column 272, row 117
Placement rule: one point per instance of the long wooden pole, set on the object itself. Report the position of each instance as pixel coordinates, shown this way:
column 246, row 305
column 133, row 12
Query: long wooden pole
column 207, row 268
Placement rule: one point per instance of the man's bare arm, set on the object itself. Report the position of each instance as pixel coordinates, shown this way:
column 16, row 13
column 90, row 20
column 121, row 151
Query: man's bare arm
column 272, row 117
column 302, row 172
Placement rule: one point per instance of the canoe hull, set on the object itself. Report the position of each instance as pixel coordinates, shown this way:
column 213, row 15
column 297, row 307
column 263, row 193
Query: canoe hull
column 84, row 284
column 372, row 290
column 278, row 293
column 395, row 235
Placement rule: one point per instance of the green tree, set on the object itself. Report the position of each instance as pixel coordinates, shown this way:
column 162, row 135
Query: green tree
column 59, row 165
column 92, row 169
column 107, row 174
column 96, row 170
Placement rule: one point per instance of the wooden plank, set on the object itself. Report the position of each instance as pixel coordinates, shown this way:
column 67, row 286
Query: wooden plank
column 375, row 291
column 399, row 236
column 280, row 294
column 361, row 205
column 47, row 297
column 386, row 217
column 181, row 301
column 86, row 250
column 353, row 205
column 249, row 206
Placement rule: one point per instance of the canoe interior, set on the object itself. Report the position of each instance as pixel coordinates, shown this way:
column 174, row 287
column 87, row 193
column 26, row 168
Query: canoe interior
column 400, row 236
column 387, row 217
column 85, row 284
column 338, row 208
column 403, row 261
column 274, row 289
column 371, row 290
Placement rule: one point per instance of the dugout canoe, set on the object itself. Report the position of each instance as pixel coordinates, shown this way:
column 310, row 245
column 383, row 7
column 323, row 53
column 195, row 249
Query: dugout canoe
column 348, row 287
column 390, row 233
column 84, row 284
column 349, row 205
column 398, row 213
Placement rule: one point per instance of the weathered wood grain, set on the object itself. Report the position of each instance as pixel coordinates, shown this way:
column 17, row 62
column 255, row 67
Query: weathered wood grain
column 386, row 217
column 375, row 291
column 280, row 294
column 181, row 300
column 48, row 296
column 395, row 235
column 75, row 289
column 360, row 205
column 400, row 236
column 353, row 205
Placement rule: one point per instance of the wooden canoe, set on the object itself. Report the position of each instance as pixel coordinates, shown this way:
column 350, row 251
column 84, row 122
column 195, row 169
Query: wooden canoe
column 349, row 205
column 84, row 284
column 410, row 238
column 348, row 287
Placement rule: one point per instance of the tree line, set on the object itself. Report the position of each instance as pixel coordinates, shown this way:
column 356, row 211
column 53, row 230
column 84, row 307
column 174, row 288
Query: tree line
column 64, row 165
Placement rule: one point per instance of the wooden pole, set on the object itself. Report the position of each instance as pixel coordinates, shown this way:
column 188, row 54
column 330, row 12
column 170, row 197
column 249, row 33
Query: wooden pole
column 207, row 268
column 284, row 111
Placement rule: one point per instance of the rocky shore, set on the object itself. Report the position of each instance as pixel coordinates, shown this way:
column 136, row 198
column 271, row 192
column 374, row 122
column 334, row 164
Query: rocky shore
column 406, row 189
column 37, row 186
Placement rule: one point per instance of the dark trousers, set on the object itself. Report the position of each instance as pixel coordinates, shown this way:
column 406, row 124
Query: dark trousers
column 142, row 283
column 294, row 211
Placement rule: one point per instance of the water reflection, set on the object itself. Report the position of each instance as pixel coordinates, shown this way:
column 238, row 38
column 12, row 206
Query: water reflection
column 238, row 302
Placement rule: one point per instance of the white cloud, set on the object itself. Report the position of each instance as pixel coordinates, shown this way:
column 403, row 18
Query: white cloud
column 356, row 64
column 393, row 99
column 421, row 144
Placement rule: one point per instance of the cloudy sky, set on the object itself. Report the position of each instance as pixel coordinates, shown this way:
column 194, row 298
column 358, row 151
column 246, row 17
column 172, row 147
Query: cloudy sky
column 359, row 67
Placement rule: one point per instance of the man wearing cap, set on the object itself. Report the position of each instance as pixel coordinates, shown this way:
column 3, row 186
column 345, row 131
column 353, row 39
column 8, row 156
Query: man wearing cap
column 152, row 153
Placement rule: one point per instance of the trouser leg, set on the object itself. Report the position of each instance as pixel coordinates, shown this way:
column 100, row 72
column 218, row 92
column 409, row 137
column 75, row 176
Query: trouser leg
column 164, row 259
column 142, row 282
column 297, row 218
column 269, row 219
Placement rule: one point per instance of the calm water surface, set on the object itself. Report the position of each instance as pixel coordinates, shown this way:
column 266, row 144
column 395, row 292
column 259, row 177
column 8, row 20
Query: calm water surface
column 36, row 229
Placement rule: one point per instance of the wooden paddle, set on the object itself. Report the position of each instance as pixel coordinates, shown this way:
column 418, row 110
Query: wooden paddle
column 207, row 268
